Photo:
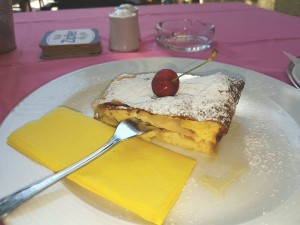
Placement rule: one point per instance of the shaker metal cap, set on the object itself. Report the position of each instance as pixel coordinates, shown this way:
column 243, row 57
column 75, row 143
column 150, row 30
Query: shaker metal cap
column 122, row 13
column 130, row 7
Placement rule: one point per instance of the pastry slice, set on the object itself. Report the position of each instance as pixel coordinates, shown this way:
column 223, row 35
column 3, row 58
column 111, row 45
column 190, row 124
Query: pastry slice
column 196, row 118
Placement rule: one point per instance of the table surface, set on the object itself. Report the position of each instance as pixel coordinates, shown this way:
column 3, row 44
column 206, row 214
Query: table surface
column 246, row 36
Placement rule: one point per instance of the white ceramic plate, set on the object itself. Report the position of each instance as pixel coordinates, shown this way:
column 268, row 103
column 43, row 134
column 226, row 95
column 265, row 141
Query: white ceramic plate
column 258, row 160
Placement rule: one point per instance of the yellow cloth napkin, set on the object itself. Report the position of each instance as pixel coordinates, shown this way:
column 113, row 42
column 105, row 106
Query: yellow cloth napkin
column 137, row 175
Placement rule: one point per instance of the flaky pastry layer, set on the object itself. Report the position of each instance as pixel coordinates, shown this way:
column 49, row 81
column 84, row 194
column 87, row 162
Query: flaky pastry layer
column 196, row 118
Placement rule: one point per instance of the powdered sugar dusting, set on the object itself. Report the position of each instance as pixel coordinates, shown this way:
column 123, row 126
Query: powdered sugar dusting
column 211, row 97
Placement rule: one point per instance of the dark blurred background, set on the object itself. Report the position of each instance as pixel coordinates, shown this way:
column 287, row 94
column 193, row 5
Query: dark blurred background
column 291, row 7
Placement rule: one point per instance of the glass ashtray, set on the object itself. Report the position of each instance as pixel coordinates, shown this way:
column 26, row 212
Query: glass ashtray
column 185, row 35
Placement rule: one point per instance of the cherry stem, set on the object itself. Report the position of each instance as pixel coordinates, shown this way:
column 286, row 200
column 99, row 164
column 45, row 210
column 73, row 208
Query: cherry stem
column 211, row 57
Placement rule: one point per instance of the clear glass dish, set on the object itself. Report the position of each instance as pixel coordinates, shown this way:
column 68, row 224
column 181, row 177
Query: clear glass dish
column 185, row 35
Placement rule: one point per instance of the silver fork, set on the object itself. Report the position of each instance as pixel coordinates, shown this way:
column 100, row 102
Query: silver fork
column 125, row 130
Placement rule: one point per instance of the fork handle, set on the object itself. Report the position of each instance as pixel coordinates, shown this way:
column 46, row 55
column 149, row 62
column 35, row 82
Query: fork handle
column 12, row 201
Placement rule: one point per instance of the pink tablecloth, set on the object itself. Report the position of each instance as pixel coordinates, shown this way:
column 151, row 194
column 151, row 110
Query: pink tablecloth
column 246, row 36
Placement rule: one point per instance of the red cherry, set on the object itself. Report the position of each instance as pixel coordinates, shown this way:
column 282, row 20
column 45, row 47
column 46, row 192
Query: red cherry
column 165, row 83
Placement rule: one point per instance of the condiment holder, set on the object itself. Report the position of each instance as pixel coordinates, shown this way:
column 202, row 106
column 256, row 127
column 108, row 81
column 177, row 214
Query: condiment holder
column 131, row 8
column 7, row 32
column 124, row 31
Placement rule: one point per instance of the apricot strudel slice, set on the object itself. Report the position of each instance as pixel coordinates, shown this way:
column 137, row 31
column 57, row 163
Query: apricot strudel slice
column 196, row 118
